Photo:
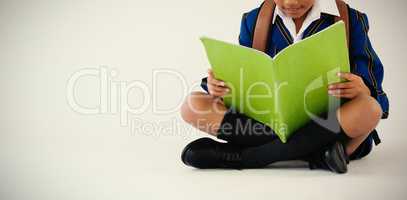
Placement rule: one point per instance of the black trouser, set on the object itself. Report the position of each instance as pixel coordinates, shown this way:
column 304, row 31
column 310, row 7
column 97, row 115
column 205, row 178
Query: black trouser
column 241, row 130
column 261, row 146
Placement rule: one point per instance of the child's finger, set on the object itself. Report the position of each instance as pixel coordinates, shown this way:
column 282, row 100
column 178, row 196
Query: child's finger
column 341, row 85
column 223, row 90
column 213, row 80
column 340, row 91
column 220, row 89
column 210, row 76
column 216, row 82
column 218, row 94
column 210, row 72
column 348, row 76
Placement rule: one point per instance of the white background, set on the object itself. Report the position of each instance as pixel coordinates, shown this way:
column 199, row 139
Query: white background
column 48, row 151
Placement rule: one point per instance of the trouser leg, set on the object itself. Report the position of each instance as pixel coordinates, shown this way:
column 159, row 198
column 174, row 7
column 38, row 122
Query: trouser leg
column 261, row 146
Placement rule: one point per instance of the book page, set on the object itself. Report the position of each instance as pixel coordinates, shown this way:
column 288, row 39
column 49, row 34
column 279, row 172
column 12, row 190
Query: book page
column 248, row 73
column 305, row 70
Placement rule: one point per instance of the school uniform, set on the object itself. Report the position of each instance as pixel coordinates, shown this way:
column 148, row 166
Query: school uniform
column 363, row 59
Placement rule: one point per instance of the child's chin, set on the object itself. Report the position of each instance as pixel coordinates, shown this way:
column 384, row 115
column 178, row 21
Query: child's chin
column 295, row 15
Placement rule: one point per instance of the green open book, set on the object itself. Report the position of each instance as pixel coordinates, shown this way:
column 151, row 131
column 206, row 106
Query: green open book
column 287, row 91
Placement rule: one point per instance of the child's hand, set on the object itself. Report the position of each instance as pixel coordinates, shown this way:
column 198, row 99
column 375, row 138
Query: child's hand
column 216, row 87
column 351, row 89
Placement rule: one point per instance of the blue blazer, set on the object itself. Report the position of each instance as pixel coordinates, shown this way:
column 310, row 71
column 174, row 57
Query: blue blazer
column 363, row 59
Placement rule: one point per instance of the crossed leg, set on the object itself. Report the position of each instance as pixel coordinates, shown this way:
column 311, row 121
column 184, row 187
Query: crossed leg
column 358, row 117
column 204, row 112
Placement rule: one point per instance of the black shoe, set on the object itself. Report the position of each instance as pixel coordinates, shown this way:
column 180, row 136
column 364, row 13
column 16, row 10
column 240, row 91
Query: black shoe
column 333, row 158
column 206, row 153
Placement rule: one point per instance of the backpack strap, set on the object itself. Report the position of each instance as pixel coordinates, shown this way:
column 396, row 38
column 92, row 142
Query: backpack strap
column 375, row 137
column 263, row 24
column 265, row 17
column 344, row 16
